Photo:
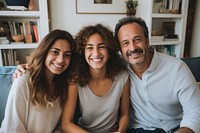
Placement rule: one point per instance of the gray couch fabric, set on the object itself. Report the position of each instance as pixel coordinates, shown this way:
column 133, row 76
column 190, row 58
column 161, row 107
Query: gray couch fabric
column 5, row 84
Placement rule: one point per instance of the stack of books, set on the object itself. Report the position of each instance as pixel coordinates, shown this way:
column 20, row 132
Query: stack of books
column 157, row 38
column 172, row 37
column 4, row 40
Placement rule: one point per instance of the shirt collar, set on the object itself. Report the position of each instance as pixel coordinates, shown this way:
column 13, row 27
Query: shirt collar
column 154, row 61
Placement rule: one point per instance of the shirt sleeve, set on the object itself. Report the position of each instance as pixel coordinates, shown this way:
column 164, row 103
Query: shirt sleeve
column 189, row 97
column 16, row 107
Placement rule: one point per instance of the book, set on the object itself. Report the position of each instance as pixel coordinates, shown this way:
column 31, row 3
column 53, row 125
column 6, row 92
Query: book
column 35, row 29
column 3, row 38
column 157, row 38
column 11, row 28
column 14, row 28
column 28, row 32
column 17, row 8
column 5, row 57
column 4, row 41
column 171, row 39
column 32, row 31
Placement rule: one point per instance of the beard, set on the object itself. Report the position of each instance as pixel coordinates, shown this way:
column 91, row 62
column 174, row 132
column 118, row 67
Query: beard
column 137, row 60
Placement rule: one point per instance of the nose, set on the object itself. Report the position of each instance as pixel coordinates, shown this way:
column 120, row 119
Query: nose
column 95, row 52
column 60, row 58
column 132, row 46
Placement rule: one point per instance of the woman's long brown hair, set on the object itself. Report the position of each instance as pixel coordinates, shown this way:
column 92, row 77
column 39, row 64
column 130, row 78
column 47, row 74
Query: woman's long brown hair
column 40, row 94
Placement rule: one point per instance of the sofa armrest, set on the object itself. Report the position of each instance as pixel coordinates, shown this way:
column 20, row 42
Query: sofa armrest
column 5, row 84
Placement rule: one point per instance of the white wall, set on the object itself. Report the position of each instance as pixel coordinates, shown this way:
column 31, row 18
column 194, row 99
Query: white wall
column 63, row 16
column 195, row 45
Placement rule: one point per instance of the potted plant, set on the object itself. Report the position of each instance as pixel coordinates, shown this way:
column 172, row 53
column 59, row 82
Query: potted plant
column 131, row 7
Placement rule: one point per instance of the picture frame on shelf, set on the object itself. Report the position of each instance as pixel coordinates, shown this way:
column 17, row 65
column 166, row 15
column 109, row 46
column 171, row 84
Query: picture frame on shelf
column 100, row 7
column 102, row 1
column 168, row 28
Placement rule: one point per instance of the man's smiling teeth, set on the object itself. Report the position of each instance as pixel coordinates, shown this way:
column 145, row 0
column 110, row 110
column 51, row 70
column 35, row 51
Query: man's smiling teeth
column 136, row 55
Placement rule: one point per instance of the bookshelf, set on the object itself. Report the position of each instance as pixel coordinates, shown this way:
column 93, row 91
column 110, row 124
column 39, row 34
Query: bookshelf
column 168, row 24
column 20, row 50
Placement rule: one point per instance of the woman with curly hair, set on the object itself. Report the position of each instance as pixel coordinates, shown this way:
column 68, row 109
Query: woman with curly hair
column 36, row 98
column 101, row 87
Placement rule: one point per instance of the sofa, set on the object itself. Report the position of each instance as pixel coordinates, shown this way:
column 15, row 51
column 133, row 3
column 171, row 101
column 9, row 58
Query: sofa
column 5, row 84
column 6, row 81
column 194, row 65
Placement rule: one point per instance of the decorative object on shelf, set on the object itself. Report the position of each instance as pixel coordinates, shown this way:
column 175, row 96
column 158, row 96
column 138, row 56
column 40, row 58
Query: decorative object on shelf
column 102, row 1
column 2, row 4
column 174, row 11
column 131, row 7
column 168, row 28
column 169, row 31
column 17, row 2
column 104, row 7
column 20, row 23
column 18, row 38
column 174, row 6
column 162, row 8
column 5, row 32
column 32, row 5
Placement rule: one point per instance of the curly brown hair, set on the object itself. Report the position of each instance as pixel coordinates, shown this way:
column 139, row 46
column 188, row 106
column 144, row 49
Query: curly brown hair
column 115, row 63
column 40, row 94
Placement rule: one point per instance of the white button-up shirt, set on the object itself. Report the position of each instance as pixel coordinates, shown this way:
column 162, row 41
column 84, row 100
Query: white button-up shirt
column 166, row 97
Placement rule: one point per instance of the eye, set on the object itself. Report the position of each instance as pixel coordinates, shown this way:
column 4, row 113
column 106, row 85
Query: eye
column 54, row 52
column 102, row 46
column 67, row 54
column 137, row 40
column 89, row 47
column 125, row 43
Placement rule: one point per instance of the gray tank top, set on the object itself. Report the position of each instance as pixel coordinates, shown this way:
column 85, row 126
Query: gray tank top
column 99, row 113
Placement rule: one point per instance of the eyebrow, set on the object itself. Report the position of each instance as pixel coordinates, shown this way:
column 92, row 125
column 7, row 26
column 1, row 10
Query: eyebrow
column 98, row 44
column 133, row 38
column 60, row 50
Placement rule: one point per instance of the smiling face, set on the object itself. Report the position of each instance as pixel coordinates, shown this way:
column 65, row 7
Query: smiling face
column 133, row 43
column 58, row 57
column 96, row 52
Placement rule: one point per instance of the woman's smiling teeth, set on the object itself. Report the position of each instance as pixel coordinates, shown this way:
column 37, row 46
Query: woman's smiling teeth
column 96, row 59
column 57, row 65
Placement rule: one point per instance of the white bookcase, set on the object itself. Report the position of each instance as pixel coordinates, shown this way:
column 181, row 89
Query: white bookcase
column 149, row 11
column 40, row 16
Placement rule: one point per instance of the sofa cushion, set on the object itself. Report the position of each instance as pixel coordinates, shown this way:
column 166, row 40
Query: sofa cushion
column 194, row 65
column 5, row 84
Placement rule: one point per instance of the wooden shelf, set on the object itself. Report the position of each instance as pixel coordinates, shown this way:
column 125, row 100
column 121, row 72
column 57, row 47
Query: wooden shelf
column 19, row 46
column 19, row 22
column 21, row 14
column 159, row 15
column 166, row 43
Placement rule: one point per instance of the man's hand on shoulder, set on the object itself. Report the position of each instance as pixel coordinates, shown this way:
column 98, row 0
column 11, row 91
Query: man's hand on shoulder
column 20, row 70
